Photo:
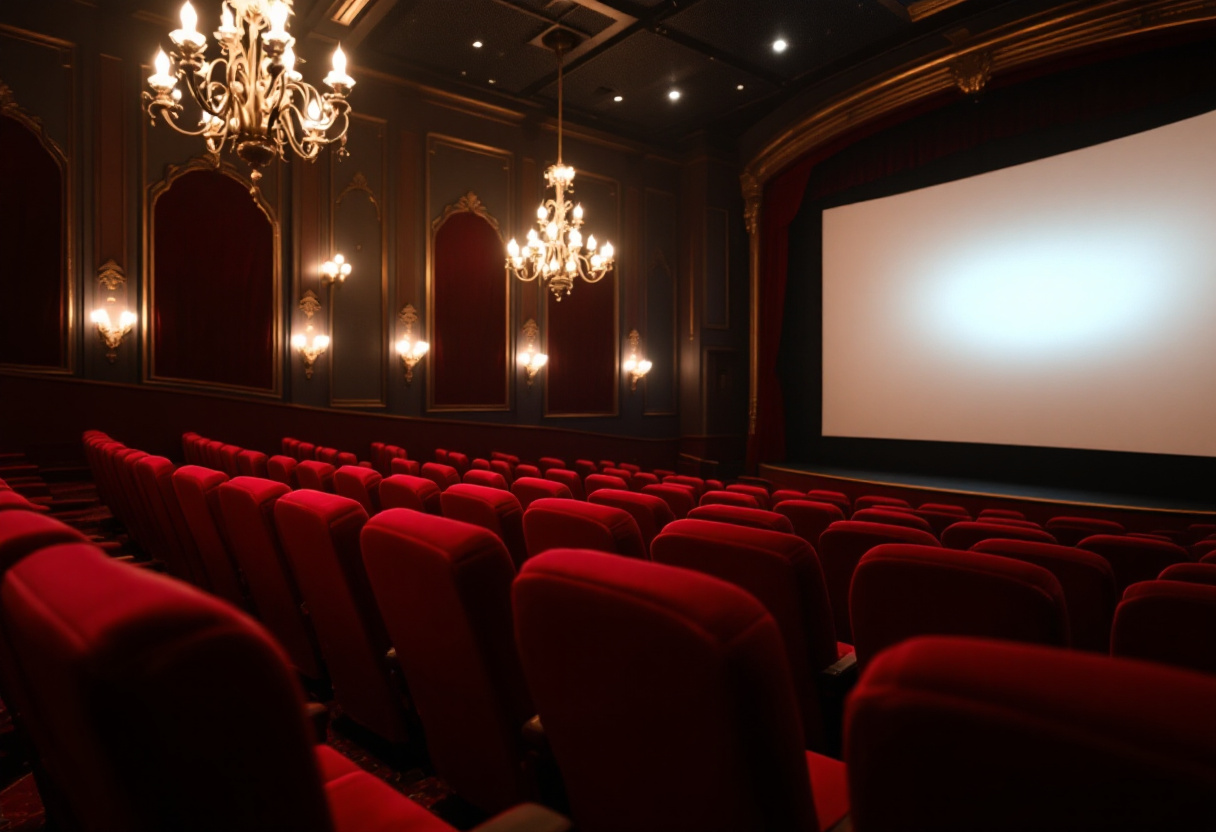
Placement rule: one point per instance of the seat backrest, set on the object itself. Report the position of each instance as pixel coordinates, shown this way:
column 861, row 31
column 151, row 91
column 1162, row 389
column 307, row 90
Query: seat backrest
column 556, row 523
column 440, row 474
column 458, row 461
column 967, row 533
column 1086, row 578
column 547, row 462
column 195, row 487
column 728, row 498
column 841, row 546
column 247, row 505
column 320, row 536
column 763, row 499
column 594, row 628
column 1173, row 622
column 525, row 470
column 282, row 469
column 486, row 478
column 947, row 508
column 570, row 479
column 872, row 500
column 1135, row 559
column 894, row 518
column 809, row 517
column 401, row 465
column 782, row 572
column 1007, row 513
column 528, row 489
column 902, row 590
column 641, row 479
column 404, row 491
column 494, row 509
column 594, row 482
column 838, row 498
column 1195, row 573
column 251, row 464
column 229, row 456
column 585, row 467
column 503, row 468
column 359, row 484
column 649, row 511
column 434, row 575
column 305, row 451
column 1084, row 741
column 622, row 474
column 697, row 483
column 1072, row 530
column 757, row 518
column 154, row 476
column 159, row 707
column 315, row 475
column 24, row 532
column 678, row 498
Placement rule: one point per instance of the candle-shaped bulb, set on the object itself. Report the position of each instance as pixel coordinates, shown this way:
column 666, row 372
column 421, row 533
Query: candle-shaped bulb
column 278, row 17
column 513, row 248
column 339, row 61
column 578, row 211
column 541, row 213
column 298, row 341
column 591, row 243
column 100, row 316
column 607, row 251
column 189, row 18
column 320, row 342
column 226, row 17
column 127, row 319
column 162, row 63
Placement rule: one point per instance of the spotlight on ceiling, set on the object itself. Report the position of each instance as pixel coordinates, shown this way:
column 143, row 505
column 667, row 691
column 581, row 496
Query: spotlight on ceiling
column 674, row 95
column 779, row 45
column 476, row 44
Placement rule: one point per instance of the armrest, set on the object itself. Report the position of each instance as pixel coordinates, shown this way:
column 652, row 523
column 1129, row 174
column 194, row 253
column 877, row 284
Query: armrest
column 839, row 678
column 526, row 817
column 534, row 735
column 318, row 715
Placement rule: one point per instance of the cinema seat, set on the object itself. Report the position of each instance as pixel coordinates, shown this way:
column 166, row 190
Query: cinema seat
column 941, row 731
column 837, row 498
column 872, row 500
column 229, row 456
column 728, row 498
column 525, row 470
column 1007, row 513
column 494, row 509
column 251, row 464
column 697, row 483
column 904, row 590
column 547, row 462
column 12, row 501
column 621, row 474
column 359, row 484
column 247, row 506
column 458, row 461
column 679, row 498
column 24, row 532
column 809, row 517
column 570, row 479
column 433, row 575
column 203, row 726
column 879, row 514
column 782, row 494
column 1208, row 557
column 641, row 479
column 486, row 478
column 651, row 513
column 504, row 469
column 154, row 476
column 594, row 482
column 327, row 455
column 585, row 467
column 1135, row 559
column 756, row 518
column 1172, row 622
column 320, row 536
column 782, row 572
column 1195, row 573
column 841, row 546
column 967, row 533
column 1070, row 531
column 197, row 494
column 529, row 489
column 401, row 465
column 315, row 475
column 442, row 475
column 679, row 666
column 759, row 492
column 282, row 469
column 1012, row 521
column 560, row 524
column 404, row 491
column 306, row 451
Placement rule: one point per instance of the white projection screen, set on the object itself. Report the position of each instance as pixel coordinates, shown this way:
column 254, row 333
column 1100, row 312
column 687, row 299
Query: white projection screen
column 1069, row 302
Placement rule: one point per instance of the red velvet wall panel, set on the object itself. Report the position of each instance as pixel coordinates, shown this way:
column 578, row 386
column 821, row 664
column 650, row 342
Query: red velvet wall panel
column 582, row 348
column 469, row 308
column 32, row 239
column 213, row 284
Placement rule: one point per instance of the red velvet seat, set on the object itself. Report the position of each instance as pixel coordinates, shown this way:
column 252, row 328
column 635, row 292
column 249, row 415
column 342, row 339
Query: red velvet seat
column 838, row 498
column 289, row 444
column 442, row 475
column 594, row 482
column 315, row 475
column 728, row 498
column 947, row 508
column 320, row 536
column 809, row 517
column 891, row 517
column 529, row 489
column 432, row 575
column 641, row 479
column 872, row 500
column 380, row 458
column 1070, row 531
column 939, row 521
column 1195, row 573
column 570, row 479
column 510, row 459
column 649, row 511
column 494, row 509
column 282, row 469
column 486, row 478
column 482, row 464
column 213, row 452
column 401, row 465
column 967, row 533
column 756, row 518
column 328, row 455
column 25, row 532
column 697, row 483
column 1172, row 622
column 547, row 462
column 154, row 476
column 680, row 499
column 458, row 461
column 1135, row 559
column 12, row 501
column 503, row 468
column 1012, row 521
column 1209, row 557
column 649, row 680
column 625, row 476
column 560, row 524
column 634, row 469
column 782, row 572
column 584, row 467
column 190, row 450
column 841, row 546
column 1007, row 513
column 404, row 491
column 359, row 484
column 1087, row 580
column 247, row 506
column 251, row 464
column 525, row 470
column 763, row 500
column 903, row 590
column 196, row 489
column 941, row 731
column 305, row 451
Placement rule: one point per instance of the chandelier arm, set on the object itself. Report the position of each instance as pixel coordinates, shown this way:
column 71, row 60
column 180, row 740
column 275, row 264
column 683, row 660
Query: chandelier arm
column 171, row 119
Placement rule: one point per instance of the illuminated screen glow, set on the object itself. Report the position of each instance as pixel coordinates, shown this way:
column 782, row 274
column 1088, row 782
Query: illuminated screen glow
column 1069, row 302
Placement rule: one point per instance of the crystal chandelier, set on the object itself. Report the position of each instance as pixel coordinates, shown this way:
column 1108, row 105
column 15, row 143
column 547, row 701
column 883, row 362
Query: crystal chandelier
column 252, row 96
column 555, row 251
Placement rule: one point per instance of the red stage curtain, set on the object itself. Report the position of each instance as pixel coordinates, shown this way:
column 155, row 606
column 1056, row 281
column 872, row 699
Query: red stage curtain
column 582, row 349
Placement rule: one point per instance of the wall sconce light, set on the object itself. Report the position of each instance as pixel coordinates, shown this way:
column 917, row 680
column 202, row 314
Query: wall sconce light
column 336, row 270
column 111, row 277
column 636, row 367
column 411, row 351
column 310, row 345
column 531, row 360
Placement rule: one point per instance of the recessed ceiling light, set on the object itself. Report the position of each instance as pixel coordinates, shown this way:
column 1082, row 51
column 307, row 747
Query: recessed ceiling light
column 492, row 81
column 674, row 95
column 739, row 87
column 476, row 44
column 779, row 45
column 618, row 98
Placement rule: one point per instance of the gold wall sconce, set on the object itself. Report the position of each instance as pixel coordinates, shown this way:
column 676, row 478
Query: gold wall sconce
column 112, row 332
column 635, row 366
column 531, row 360
column 335, row 270
column 410, row 351
column 309, row 344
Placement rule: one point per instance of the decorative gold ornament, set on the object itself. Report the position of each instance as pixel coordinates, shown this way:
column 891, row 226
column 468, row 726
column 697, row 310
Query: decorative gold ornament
column 531, row 360
column 635, row 366
column 410, row 351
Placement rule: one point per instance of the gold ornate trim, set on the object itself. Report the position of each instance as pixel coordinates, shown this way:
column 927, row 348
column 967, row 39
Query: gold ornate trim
column 111, row 276
column 359, row 182
column 310, row 304
column 971, row 71
column 470, row 203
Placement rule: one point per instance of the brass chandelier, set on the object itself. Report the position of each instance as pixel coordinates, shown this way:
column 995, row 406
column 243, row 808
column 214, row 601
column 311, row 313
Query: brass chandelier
column 554, row 251
column 252, row 96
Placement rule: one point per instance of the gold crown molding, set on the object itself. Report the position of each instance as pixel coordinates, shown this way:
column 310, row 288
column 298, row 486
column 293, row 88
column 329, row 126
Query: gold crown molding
column 470, row 203
column 359, row 182
column 110, row 276
column 310, row 304
column 10, row 108
column 972, row 71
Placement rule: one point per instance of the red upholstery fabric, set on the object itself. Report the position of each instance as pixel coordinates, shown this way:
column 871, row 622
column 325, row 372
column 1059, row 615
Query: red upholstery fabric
column 480, row 464
column 524, row 470
column 871, row 500
column 247, row 505
column 213, row 452
column 25, row 532
column 404, row 491
column 528, row 489
column 756, row 518
column 346, row 458
column 380, row 458
column 318, row 476
column 902, row 590
column 782, row 572
column 494, row 509
column 1210, row 557
column 1012, row 521
column 728, row 498
column 649, row 511
column 282, row 469
column 154, row 476
column 559, row 524
column 12, row 501
column 1072, row 530
column 940, row 731
column 327, row 455
column 1195, row 573
column 1087, row 580
column 547, row 462
column 433, row 576
column 289, row 444
column 458, row 461
column 503, row 469
column 606, row 463
column 679, row 479
column 510, row 459
column 306, row 450
column 401, row 465
column 679, row 499
column 229, row 455
column 251, row 464
column 442, row 475
column 441, row 456
column 894, row 518
column 195, row 487
column 1173, row 622
column 947, row 508
column 320, row 536
column 838, row 498
column 760, row 493
column 1008, row 513
column 486, row 478
column 939, row 521
column 362, row 802
column 622, row 655
column 622, row 474
column 809, row 518
column 841, row 546
column 570, row 479
column 594, row 482
column 1135, row 559
column 966, row 533
column 354, row 482
column 641, row 479
column 782, row 494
